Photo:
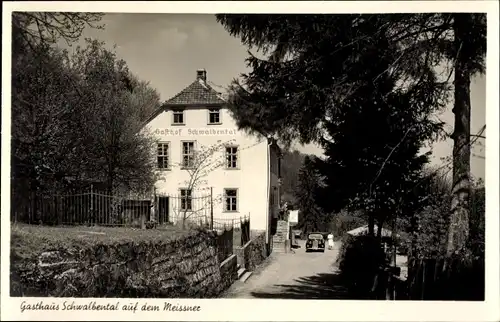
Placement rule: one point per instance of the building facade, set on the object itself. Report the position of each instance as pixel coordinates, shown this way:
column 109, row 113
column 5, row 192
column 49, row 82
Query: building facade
column 207, row 166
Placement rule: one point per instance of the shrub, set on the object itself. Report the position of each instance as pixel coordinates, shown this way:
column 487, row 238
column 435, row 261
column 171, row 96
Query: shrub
column 430, row 237
column 403, row 246
column 359, row 260
column 431, row 224
column 151, row 224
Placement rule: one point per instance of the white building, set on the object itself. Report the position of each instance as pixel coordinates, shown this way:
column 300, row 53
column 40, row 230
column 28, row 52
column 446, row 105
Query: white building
column 242, row 173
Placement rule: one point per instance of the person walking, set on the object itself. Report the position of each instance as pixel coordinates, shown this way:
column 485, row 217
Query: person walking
column 330, row 241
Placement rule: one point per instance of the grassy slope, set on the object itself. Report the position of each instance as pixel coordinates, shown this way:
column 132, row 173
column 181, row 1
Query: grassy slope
column 29, row 240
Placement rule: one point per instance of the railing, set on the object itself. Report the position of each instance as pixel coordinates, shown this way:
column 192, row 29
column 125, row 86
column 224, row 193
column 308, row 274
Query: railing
column 237, row 222
column 241, row 226
column 97, row 208
column 86, row 208
column 224, row 243
column 194, row 209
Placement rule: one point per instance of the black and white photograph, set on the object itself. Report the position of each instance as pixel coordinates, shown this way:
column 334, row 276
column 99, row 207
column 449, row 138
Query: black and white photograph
column 271, row 156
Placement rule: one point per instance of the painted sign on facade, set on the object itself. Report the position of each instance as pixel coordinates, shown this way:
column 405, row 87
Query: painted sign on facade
column 196, row 132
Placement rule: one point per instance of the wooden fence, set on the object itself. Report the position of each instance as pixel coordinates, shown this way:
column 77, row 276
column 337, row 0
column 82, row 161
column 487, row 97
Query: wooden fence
column 443, row 279
column 388, row 285
column 432, row 279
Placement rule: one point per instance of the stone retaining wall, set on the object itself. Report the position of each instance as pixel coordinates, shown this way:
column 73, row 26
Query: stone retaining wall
column 187, row 267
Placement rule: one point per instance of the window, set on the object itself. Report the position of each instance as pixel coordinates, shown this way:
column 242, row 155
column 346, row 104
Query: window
column 186, row 200
column 232, row 157
column 188, row 154
column 214, row 116
column 178, row 116
column 162, row 155
column 231, row 196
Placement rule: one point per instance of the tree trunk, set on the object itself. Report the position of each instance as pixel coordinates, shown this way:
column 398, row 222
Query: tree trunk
column 459, row 221
column 110, row 182
column 380, row 223
column 414, row 229
column 371, row 224
column 379, row 229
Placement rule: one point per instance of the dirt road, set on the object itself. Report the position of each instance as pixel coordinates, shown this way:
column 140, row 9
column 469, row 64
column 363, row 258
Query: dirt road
column 298, row 275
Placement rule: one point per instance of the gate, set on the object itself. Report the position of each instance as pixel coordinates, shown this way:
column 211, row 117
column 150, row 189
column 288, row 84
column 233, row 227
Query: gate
column 163, row 210
column 176, row 208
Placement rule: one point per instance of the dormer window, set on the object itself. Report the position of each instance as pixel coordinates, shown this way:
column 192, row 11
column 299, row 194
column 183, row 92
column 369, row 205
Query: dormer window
column 214, row 116
column 178, row 117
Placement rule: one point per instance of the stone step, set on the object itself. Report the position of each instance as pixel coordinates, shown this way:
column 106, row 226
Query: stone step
column 241, row 271
column 245, row 276
column 279, row 247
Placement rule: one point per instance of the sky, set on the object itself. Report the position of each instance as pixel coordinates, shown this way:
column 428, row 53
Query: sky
column 167, row 49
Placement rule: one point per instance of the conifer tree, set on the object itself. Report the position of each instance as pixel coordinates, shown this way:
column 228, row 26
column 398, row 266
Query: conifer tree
column 315, row 62
column 311, row 217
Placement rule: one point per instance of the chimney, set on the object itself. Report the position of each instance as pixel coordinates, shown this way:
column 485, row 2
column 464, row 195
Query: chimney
column 201, row 74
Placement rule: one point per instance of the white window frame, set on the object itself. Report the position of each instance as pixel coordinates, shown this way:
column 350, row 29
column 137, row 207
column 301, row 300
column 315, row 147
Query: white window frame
column 164, row 155
column 236, row 198
column 211, row 111
column 181, row 112
column 184, row 198
column 227, row 155
column 192, row 153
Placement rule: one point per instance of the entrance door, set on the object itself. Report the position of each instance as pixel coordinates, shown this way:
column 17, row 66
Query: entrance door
column 163, row 203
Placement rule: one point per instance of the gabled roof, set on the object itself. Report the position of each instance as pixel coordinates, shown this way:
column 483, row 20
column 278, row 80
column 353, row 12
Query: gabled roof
column 197, row 93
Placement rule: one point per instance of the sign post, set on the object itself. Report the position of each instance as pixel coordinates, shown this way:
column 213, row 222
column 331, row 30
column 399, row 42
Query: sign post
column 293, row 217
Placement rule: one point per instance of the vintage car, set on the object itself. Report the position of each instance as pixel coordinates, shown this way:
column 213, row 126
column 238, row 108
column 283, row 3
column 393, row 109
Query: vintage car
column 315, row 242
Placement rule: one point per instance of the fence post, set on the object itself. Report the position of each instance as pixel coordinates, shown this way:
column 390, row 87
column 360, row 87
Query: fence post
column 242, row 231
column 231, row 239
column 32, row 213
column 143, row 220
column 91, row 203
column 58, row 209
column 224, row 241
column 211, row 209
column 153, row 215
